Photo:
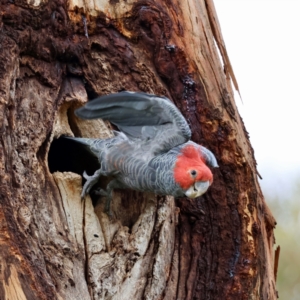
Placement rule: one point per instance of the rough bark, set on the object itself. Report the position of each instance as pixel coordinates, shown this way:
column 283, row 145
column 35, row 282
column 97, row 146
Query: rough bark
column 54, row 56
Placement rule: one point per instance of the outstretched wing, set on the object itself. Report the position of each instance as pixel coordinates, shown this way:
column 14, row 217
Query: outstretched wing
column 154, row 119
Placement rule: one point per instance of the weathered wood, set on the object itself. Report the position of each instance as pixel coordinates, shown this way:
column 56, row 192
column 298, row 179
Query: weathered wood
column 54, row 56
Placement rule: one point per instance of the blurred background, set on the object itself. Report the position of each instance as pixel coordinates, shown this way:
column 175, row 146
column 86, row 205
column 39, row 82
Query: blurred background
column 262, row 40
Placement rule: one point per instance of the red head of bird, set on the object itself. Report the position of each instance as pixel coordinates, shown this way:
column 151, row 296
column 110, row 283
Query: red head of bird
column 191, row 172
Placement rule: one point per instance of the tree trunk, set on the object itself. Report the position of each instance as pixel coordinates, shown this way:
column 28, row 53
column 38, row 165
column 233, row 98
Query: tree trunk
column 54, row 56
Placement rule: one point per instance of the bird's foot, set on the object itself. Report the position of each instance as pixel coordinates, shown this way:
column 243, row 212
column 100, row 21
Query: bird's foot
column 90, row 182
column 108, row 196
column 101, row 192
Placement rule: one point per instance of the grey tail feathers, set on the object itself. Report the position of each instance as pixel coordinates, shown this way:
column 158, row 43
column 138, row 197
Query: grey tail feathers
column 84, row 141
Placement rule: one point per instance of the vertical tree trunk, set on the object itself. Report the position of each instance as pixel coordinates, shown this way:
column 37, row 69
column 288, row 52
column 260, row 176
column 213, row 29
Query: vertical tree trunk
column 54, row 56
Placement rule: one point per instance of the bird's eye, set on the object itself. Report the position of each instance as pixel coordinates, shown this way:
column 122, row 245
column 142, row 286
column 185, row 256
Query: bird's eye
column 193, row 173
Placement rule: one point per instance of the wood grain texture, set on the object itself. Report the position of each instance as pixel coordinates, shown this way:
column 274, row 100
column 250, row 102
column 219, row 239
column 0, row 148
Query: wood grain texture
column 55, row 55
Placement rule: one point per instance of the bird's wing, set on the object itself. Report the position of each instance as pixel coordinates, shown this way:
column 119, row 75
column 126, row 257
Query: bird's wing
column 154, row 119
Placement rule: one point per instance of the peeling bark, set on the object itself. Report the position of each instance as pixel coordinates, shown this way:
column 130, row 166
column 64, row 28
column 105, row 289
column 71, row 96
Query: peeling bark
column 55, row 55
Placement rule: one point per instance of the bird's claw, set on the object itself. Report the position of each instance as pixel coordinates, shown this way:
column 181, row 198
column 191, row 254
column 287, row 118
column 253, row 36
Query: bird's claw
column 108, row 196
column 85, row 190
column 86, row 176
column 101, row 192
column 90, row 182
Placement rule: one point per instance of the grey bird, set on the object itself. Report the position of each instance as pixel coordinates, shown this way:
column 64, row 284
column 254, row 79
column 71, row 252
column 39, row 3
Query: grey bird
column 152, row 152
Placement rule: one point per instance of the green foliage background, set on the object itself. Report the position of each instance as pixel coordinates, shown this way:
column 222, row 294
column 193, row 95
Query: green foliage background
column 287, row 233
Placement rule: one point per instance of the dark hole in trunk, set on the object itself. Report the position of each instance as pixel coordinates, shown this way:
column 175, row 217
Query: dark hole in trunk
column 68, row 156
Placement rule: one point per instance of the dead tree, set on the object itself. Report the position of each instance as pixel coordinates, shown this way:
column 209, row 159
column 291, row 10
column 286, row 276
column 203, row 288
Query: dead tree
column 57, row 54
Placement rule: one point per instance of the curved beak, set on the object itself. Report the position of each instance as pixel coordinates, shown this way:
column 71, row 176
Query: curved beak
column 198, row 189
